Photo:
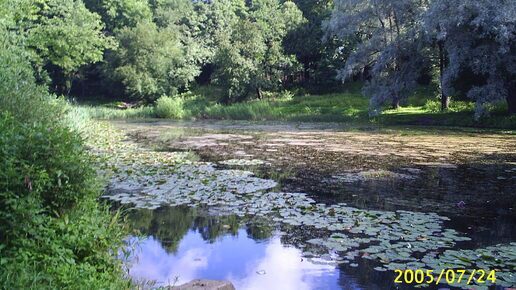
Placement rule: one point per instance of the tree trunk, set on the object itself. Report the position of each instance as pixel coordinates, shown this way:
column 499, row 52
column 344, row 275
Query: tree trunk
column 259, row 93
column 306, row 73
column 67, row 86
column 511, row 99
column 445, row 100
column 396, row 104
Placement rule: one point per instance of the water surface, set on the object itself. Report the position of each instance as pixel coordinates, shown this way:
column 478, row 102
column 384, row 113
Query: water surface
column 467, row 176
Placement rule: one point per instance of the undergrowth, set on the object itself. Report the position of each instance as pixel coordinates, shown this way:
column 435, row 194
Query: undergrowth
column 350, row 106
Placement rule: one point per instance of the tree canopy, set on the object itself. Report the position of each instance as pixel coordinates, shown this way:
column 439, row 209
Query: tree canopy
column 143, row 49
column 399, row 39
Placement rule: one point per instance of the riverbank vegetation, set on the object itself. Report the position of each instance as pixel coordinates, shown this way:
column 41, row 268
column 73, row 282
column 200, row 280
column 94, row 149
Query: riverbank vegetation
column 349, row 106
column 53, row 232
column 402, row 62
column 406, row 62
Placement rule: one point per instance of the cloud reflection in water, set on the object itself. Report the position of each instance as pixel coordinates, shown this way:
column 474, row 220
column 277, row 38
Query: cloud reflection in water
column 234, row 258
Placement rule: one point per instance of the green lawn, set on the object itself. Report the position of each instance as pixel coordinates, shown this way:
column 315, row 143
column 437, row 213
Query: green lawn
column 348, row 106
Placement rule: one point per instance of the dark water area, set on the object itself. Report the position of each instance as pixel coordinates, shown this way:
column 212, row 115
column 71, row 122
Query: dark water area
column 469, row 177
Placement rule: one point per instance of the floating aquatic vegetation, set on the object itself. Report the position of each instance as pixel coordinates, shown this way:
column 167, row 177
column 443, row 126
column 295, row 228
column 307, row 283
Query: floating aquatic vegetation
column 242, row 162
column 501, row 257
column 370, row 175
column 396, row 239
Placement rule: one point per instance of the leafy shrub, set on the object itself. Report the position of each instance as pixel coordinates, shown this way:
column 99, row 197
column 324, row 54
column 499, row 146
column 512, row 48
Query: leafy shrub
column 54, row 233
column 194, row 104
column 434, row 106
column 19, row 92
column 171, row 108
column 47, row 158
column 70, row 252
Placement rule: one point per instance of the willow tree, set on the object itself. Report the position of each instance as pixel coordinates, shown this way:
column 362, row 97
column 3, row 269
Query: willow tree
column 478, row 36
column 389, row 45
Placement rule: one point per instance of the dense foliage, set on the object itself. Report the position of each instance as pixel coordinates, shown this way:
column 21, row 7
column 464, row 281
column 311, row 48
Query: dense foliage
column 145, row 49
column 403, row 39
column 146, row 61
column 53, row 232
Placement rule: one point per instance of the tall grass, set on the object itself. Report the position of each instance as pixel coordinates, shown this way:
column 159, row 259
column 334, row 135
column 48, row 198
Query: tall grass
column 422, row 108
column 434, row 106
column 256, row 110
column 103, row 113
column 170, row 108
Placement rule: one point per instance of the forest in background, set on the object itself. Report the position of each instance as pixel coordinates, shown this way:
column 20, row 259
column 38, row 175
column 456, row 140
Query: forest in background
column 143, row 50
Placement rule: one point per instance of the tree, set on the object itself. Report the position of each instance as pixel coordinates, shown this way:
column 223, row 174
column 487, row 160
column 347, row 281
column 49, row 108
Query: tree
column 20, row 94
column 188, row 19
column 317, row 55
column 477, row 36
column 147, row 60
column 250, row 57
column 388, row 45
column 238, row 61
column 117, row 14
column 218, row 18
column 63, row 36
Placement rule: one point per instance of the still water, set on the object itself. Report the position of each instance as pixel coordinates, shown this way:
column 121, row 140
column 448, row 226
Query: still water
column 183, row 244
column 467, row 177
column 248, row 264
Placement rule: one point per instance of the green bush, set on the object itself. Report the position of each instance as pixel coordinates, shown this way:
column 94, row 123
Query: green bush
column 170, row 108
column 54, row 233
column 19, row 92
column 47, row 157
column 195, row 105
column 434, row 106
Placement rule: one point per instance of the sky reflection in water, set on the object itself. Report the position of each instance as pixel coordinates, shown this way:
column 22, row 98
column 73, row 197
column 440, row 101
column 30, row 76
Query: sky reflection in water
column 234, row 258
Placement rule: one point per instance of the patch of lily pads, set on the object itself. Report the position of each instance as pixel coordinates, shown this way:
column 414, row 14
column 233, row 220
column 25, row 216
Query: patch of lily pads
column 396, row 239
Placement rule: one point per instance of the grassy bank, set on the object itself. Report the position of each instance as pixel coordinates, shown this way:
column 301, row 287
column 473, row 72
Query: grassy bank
column 423, row 108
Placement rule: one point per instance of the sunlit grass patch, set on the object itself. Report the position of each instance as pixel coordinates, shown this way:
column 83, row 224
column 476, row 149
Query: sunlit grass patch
column 423, row 107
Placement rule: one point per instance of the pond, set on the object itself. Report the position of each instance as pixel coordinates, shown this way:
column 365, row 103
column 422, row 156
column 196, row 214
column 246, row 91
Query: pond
column 313, row 206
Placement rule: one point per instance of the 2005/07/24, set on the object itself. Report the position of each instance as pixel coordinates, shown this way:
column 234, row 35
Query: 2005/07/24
column 450, row 276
